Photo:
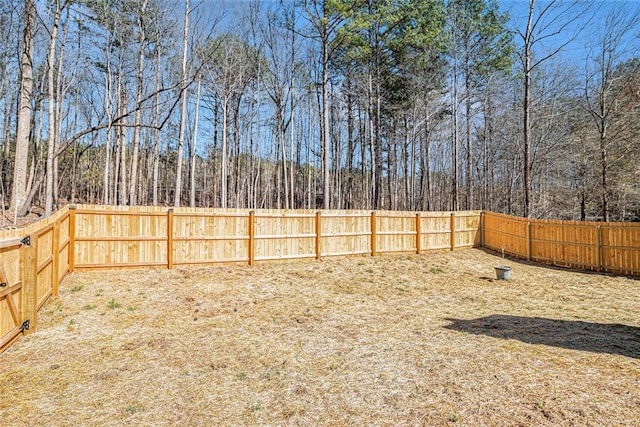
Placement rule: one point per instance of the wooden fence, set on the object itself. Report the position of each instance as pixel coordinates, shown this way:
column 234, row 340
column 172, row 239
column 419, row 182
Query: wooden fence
column 33, row 262
column 601, row 246
column 35, row 259
column 115, row 237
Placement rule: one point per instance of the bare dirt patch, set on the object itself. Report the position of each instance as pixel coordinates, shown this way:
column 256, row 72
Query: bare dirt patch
column 390, row 340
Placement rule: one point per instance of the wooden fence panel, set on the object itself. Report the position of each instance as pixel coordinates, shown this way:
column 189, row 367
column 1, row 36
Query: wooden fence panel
column 564, row 243
column 115, row 237
column 284, row 236
column 345, row 233
column 612, row 247
column 620, row 248
column 43, row 242
column 507, row 234
column 200, row 238
column 30, row 271
column 120, row 239
column 63, row 247
column 436, row 230
column 466, row 225
column 396, row 232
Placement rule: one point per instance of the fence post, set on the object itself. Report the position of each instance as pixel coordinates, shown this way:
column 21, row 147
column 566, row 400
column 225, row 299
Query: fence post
column 483, row 219
column 373, row 234
column 29, row 261
column 453, row 231
column 599, row 246
column 528, row 233
column 318, row 234
column 418, row 234
column 56, row 261
column 72, row 238
column 252, row 233
column 170, row 239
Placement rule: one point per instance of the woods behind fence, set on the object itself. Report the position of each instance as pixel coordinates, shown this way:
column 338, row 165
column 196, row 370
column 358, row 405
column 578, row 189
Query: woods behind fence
column 34, row 260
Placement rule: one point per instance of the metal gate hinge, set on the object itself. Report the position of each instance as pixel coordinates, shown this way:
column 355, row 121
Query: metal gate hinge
column 25, row 325
column 3, row 285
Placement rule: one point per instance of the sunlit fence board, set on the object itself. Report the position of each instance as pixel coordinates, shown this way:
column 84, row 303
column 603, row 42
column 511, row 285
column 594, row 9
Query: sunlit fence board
column 44, row 244
column 63, row 247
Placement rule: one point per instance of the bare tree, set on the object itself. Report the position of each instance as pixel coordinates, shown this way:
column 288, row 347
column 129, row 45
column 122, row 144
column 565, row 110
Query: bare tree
column 18, row 195
column 183, row 105
column 58, row 7
column 194, row 147
column 137, row 118
column 552, row 19
column 601, row 83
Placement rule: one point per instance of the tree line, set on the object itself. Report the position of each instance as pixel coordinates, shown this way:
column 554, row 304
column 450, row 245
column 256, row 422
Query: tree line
column 340, row 104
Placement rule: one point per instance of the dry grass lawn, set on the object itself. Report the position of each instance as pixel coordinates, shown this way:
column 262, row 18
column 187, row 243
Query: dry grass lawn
column 391, row 340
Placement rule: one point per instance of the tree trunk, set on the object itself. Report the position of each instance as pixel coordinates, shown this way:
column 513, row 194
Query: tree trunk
column 51, row 145
column 425, row 177
column 455, row 199
column 156, row 142
column 326, row 182
column 23, row 132
column 194, row 146
column 106, row 183
column 377, row 198
column 283, row 146
column 469, row 169
column 350, row 145
column 133, row 199
column 603, row 175
column 223, row 162
column 526, row 113
column 59, row 95
column 183, row 107
column 122, row 144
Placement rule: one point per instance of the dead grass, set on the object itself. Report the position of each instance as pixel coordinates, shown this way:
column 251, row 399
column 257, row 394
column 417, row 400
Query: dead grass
column 391, row 340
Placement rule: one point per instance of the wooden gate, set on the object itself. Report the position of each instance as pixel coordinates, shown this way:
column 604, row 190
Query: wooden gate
column 12, row 296
column 33, row 261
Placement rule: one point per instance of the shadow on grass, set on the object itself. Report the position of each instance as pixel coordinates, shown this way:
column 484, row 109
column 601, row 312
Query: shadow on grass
column 575, row 335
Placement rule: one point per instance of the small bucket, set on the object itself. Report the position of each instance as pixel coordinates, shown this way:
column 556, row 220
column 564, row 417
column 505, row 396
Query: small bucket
column 503, row 272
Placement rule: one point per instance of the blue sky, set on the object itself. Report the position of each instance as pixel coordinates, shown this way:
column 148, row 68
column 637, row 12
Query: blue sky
column 584, row 32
